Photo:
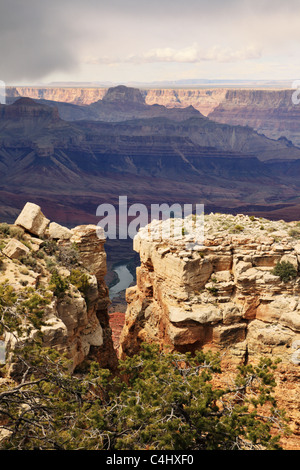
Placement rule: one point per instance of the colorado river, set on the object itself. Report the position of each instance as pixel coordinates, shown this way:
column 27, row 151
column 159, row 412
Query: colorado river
column 125, row 279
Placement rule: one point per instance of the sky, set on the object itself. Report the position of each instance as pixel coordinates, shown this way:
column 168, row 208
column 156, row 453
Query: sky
column 120, row 41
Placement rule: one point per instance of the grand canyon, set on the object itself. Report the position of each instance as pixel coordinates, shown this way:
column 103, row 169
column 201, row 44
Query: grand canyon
column 66, row 150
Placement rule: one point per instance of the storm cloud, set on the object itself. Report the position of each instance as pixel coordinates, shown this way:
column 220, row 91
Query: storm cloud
column 35, row 40
column 137, row 39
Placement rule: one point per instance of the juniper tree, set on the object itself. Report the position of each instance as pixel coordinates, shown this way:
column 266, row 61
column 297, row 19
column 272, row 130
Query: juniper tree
column 157, row 400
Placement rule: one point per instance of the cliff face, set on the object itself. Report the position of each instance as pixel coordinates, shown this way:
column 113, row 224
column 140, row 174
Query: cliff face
column 61, row 272
column 204, row 100
column 270, row 112
column 223, row 296
column 219, row 295
column 75, row 95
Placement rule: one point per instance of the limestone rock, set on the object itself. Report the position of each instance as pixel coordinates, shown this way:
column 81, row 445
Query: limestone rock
column 89, row 240
column 59, row 232
column 32, row 219
column 15, row 249
column 75, row 321
column 222, row 294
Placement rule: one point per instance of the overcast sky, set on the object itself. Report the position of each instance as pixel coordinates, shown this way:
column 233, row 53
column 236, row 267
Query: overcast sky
column 43, row 41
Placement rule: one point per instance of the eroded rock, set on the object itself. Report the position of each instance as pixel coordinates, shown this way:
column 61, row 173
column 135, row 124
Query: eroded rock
column 32, row 219
column 223, row 294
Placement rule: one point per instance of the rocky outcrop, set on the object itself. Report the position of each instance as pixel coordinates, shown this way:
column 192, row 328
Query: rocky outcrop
column 15, row 249
column 65, row 269
column 221, row 295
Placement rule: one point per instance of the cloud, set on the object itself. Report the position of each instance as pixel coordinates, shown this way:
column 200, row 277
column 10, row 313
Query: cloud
column 75, row 40
column 192, row 54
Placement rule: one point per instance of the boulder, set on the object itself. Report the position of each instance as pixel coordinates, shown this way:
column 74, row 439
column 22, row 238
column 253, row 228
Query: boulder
column 32, row 219
column 58, row 232
column 15, row 249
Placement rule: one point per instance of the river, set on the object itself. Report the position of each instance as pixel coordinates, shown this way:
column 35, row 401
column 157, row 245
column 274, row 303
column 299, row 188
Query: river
column 125, row 279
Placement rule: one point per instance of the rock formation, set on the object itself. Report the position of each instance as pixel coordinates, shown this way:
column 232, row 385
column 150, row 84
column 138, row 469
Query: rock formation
column 219, row 295
column 271, row 112
column 223, row 297
column 75, row 95
column 75, row 317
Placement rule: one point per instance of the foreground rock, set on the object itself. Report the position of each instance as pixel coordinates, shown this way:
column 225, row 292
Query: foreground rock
column 15, row 249
column 75, row 302
column 32, row 219
column 222, row 296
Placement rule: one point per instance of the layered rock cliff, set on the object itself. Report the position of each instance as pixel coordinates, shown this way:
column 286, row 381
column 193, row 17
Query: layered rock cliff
column 223, row 296
column 75, row 95
column 271, row 112
column 52, row 280
column 204, row 100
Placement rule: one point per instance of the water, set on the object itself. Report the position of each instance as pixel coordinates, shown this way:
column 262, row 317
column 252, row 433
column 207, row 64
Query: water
column 125, row 279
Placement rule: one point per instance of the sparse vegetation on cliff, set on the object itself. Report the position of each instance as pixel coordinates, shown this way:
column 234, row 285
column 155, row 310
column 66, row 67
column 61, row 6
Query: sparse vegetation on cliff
column 285, row 270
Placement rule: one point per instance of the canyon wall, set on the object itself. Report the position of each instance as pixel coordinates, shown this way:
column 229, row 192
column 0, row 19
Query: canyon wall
column 269, row 111
column 205, row 100
column 74, row 95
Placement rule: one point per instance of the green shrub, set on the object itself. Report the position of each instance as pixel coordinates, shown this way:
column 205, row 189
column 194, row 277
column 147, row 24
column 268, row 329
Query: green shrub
column 58, row 285
column 294, row 233
column 212, row 290
column 285, row 270
column 4, row 229
column 50, row 247
column 50, row 263
column 16, row 232
column 17, row 306
column 156, row 401
column 81, row 281
column 29, row 260
column 68, row 256
column 237, row 229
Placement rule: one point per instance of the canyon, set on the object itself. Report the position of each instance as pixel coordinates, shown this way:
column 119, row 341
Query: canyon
column 67, row 150
column 270, row 111
column 84, row 163
column 220, row 295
